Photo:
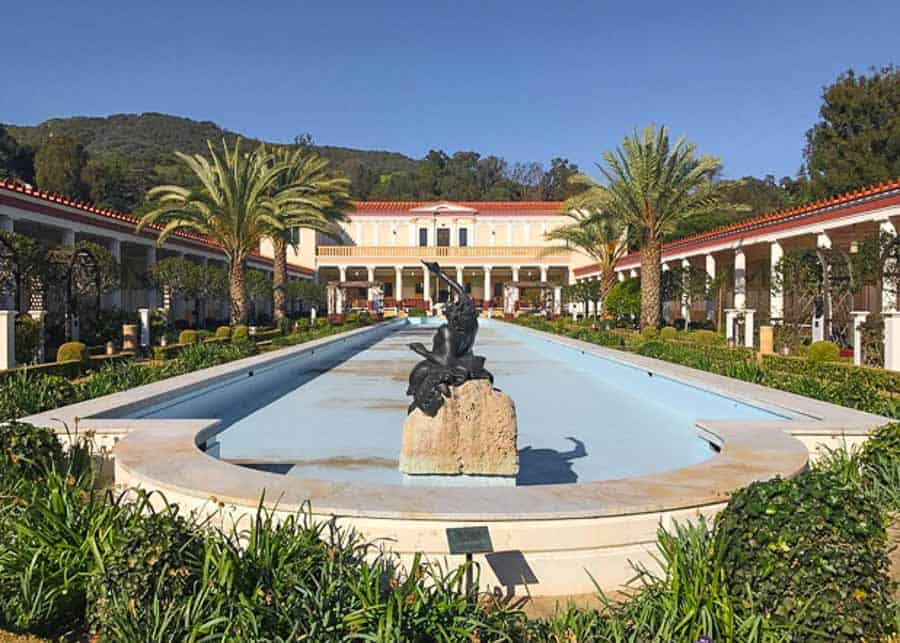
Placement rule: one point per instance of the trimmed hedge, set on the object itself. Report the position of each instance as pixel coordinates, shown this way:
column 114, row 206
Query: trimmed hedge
column 668, row 333
column 188, row 337
column 823, row 351
column 812, row 553
column 223, row 332
column 240, row 333
column 72, row 352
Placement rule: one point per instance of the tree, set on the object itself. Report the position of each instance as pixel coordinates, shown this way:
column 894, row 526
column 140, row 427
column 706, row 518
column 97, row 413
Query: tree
column 598, row 235
column 58, row 165
column 109, row 184
column 857, row 139
column 189, row 280
column 232, row 206
column 85, row 270
column 306, row 291
column 304, row 195
column 556, row 184
column 16, row 161
column 651, row 185
column 623, row 302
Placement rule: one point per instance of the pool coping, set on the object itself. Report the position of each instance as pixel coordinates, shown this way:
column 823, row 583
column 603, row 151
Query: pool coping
column 167, row 454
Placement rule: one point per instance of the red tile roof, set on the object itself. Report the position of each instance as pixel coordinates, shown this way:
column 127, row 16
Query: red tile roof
column 59, row 199
column 504, row 208
column 856, row 201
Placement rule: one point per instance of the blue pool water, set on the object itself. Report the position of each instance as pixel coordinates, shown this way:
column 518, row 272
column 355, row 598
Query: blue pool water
column 338, row 414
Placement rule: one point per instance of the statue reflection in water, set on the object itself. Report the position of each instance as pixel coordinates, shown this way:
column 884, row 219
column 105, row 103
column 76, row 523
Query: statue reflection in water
column 450, row 362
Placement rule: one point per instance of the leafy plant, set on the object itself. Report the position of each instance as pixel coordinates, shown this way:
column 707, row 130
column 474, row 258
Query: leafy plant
column 810, row 553
column 23, row 394
column 823, row 351
column 72, row 352
column 27, row 451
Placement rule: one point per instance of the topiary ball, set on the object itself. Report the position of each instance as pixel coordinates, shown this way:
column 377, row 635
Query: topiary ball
column 823, row 351
column 811, row 553
column 240, row 333
column 223, row 332
column 72, row 352
column 668, row 333
column 188, row 337
column 649, row 332
column 706, row 337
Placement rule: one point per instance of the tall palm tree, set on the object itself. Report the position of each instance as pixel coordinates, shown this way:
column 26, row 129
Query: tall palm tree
column 305, row 195
column 231, row 205
column 597, row 234
column 651, row 185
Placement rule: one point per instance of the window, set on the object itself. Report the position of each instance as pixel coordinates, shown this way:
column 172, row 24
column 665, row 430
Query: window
column 294, row 236
column 498, row 290
column 443, row 237
column 388, row 289
column 463, row 237
column 419, row 288
column 423, row 236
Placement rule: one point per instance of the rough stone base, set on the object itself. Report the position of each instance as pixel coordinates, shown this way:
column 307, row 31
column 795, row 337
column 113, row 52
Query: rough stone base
column 473, row 434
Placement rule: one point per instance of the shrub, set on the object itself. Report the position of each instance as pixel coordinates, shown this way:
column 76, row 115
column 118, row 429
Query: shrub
column 144, row 548
column 284, row 325
column 649, row 332
column 72, row 352
column 415, row 312
column 116, row 377
column 197, row 356
column 240, row 333
column 223, row 332
column 811, row 552
column 28, row 337
column 188, row 337
column 23, row 394
column 27, row 450
column 705, row 337
column 624, row 300
column 351, row 317
column 364, row 319
column 823, row 351
column 668, row 333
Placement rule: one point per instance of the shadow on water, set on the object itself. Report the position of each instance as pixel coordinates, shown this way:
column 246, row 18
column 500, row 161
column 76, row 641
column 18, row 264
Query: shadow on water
column 549, row 466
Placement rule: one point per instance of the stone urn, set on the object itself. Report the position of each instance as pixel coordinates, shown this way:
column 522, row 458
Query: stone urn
column 471, row 439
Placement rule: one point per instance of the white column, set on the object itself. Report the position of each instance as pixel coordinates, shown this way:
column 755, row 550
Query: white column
column 398, row 285
column 543, row 273
column 730, row 316
column 115, row 296
column 685, row 300
column 891, row 340
column 740, row 279
column 889, row 290
column 710, row 261
column 149, row 261
column 633, row 273
column 342, row 277
column 144, row 314
column 820, row 331
column 426, row 284
column 776, row 296
column 859, row 318
column 749, row 314
column 7, row 339
column 572, row 279
column 488, row 293
column 370, row 276
column 515, row 273
column 620, row 275
column 459, row 275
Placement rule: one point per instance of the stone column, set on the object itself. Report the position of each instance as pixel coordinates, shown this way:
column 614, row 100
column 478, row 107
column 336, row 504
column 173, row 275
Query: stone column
column 398, row 285
column 776, row 296
column 488, row 293
column 633, row 273
column 149, row 261
column 730, row 316
column 544, row 271
column 7, row 339
column 339, row 294
column 115, row 296
column 740, row 279
column 426, row 285
column 620, row 276
column 515, row 273
column 40, row 318
column 891, row 340
column 820, row 329
column 710, row 261
column 459, row 275
column 749, row 315
column 144, row 314
column 889, row 290
column 859, row 318
column 8, row 301
column 685, row 299
column 370, row 274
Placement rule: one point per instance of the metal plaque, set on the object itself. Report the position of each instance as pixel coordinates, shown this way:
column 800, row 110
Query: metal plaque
column 469, row 540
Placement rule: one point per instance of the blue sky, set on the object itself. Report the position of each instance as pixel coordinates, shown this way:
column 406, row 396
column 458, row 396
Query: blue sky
column 524, row 80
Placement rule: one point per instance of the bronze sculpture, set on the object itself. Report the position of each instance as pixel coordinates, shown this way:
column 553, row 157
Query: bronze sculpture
column 450, row 362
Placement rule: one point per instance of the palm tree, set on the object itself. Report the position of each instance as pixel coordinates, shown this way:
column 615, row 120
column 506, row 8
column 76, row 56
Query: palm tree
column 651, row 185
column 231, row 205
column 595, row 233
column 304, row 196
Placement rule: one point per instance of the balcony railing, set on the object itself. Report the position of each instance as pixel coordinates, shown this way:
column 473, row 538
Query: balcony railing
column 442, row 252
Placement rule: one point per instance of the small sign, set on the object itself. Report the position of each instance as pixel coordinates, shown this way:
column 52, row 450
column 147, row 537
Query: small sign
column 469, row 540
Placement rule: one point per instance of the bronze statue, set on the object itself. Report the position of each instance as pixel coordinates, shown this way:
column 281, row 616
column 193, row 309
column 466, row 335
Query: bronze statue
column 450, row 361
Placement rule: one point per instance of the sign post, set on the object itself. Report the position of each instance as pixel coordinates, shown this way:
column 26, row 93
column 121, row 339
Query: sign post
column 469, row 541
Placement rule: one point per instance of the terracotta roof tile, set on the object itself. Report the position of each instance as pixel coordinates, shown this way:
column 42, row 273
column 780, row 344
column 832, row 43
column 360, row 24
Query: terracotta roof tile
column 482, row 207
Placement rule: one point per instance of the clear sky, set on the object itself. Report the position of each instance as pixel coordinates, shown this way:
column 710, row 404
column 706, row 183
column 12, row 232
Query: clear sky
column 524, row 80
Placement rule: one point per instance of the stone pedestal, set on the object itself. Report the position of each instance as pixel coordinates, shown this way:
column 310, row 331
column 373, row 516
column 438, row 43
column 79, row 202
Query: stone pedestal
column 471, row 440
column 859, row 318
column 766, row 340
column 7, row 339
